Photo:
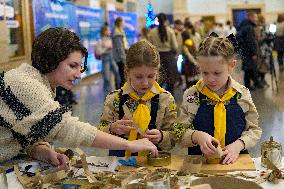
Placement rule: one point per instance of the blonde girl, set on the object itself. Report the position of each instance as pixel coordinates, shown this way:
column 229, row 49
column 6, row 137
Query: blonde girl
column 151, row 108
column 217, row 109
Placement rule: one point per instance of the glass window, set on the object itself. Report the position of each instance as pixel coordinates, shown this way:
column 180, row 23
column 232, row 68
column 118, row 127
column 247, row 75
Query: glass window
column 13, row 15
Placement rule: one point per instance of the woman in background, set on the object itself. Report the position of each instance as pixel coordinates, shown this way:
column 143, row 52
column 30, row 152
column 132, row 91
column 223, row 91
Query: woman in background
column 164, row 38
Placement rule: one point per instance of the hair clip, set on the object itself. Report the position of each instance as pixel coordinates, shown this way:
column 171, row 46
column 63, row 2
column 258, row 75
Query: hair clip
column 234, row 41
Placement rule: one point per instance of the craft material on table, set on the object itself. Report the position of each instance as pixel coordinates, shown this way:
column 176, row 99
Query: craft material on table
column 163, row 159
column 271, row 150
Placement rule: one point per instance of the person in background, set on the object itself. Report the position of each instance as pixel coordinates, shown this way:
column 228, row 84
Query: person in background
column 104, row 48
column 187, row 21
column 217, row 110
column 248, row 45
column 164, row 38
column 30, row 117
column 279, row 41
column 190, row 73
column 195, row 36
column 149, row 106
column 200, row 28
column 178, row 28
column 229, row 28
column 264, row 50
column 120, row 46
column 144, row 34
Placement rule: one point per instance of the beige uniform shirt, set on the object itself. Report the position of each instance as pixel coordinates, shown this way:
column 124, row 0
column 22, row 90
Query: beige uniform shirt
column 184, row 128
column 29, row 114
column 169, row 45
column 166, row 114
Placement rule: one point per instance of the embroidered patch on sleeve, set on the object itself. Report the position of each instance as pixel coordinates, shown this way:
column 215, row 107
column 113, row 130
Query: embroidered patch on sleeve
column 179, row 130
column 194, row 98
column 103, row 124
column 116, row 102
column 172, row 106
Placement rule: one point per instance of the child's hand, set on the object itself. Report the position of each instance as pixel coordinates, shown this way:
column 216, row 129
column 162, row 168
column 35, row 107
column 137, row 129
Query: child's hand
column 121, row 127
column 205, row 141
column 231, row 152
column 154, row 135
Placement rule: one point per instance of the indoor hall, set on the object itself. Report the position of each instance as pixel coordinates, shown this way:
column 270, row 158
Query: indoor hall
column 61, row 61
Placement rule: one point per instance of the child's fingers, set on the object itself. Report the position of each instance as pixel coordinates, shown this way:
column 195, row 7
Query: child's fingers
column 228, row 159
column 126, row 128
column 125, row 122
column 215, row 141
column 150, row 137
column 211, row 146
column 152, row 132
column 225, row 152
column 206, row 150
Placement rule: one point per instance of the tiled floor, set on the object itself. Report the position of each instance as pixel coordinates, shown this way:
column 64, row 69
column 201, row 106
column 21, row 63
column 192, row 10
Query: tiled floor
column 90, row 97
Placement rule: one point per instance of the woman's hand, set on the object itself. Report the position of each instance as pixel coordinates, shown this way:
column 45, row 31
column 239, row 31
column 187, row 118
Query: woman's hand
column 205, row 141
column 142, row 145
column 232, row 151
column 121, row 127
column 48, row 155
column 154, row 135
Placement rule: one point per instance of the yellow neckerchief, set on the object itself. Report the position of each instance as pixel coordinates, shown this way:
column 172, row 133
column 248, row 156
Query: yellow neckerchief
column 219, row 110
column 125, row 42
column 141, row 115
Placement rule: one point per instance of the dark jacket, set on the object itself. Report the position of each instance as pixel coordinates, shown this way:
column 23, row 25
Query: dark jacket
column 118, row 48
column 246, row 39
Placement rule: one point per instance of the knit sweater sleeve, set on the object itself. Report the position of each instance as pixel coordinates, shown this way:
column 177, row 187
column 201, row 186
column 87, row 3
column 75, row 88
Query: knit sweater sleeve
column 43, row 118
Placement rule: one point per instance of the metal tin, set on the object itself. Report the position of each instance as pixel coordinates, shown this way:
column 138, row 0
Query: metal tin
column 271, row 150
column 163, row 159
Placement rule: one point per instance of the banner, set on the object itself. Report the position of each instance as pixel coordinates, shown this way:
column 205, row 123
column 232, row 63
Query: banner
column 52, row 13
column 85, row 22
column 130, row 24
column 90, row 22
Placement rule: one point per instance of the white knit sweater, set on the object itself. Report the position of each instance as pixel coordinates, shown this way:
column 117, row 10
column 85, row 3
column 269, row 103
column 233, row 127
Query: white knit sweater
column 29, row 114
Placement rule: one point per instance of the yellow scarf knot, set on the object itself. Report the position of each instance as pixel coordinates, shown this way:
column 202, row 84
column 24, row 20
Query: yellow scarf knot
column 219, row 110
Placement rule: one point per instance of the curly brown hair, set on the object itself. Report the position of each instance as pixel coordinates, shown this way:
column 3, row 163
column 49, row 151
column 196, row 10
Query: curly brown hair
column 216, row 46
column 142, row 53
column 52, row 46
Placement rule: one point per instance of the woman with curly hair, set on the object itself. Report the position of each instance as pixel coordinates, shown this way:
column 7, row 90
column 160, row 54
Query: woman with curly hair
column 29, row 115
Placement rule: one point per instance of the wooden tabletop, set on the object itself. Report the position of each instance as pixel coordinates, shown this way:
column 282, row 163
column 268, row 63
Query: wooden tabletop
column 244, row 163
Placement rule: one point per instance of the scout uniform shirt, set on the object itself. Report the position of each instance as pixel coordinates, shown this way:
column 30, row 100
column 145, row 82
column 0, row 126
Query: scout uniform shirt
column 165, row 114
column 197, row 113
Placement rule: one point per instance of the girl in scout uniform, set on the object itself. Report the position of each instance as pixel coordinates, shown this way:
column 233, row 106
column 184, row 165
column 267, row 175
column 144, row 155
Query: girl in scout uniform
column 141, row 102
column 217, row 109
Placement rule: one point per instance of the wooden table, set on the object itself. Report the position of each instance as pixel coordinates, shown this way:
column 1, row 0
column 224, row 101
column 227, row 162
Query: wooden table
column 244, row 163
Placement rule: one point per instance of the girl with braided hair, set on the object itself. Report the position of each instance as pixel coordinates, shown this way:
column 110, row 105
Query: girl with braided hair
column 29, row 114
column 148, row 106
column 217, row 109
